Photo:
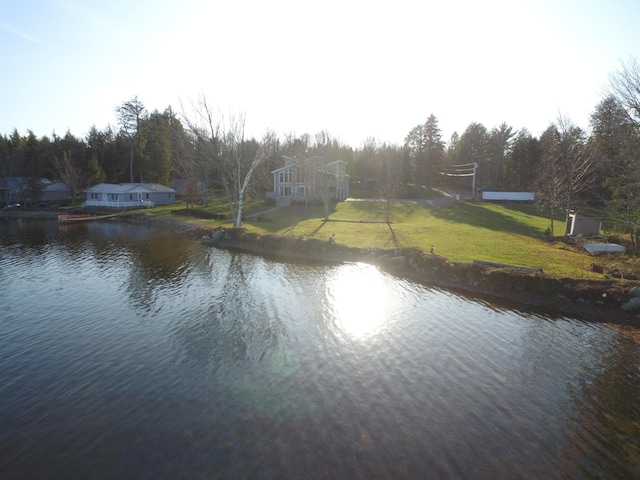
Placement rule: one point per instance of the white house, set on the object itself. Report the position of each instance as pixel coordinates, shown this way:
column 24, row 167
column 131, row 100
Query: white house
column 301, row 180
column 129, row 195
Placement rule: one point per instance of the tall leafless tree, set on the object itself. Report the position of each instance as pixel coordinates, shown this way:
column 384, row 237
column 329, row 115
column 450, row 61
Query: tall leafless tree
column 226, row 146
column 129, row 114
column 69, row 173
column 566, row 170
column 239, row 163
column 625, row 88
column 388, row 174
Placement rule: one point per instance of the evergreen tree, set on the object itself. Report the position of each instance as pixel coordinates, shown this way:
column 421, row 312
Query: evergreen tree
column 156, row 156
column 522, row 162
column 426, row 151
column 473, row 147
column 499, row 145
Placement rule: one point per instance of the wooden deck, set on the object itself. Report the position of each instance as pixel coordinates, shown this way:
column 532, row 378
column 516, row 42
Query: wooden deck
column 83, row 217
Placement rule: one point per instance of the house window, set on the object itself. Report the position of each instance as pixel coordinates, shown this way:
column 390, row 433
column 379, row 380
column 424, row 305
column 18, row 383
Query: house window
column 147, row 196
column 131, row 196
column 113, row 197
column 285, row 176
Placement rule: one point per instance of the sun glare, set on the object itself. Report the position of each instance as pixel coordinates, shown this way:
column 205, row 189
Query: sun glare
column 359, row 300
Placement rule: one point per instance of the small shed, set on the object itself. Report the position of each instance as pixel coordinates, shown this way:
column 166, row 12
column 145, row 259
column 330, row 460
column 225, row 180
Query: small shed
column 578, row 224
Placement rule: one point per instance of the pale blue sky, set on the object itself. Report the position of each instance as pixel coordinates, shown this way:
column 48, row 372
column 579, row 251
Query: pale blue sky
column 353, row 68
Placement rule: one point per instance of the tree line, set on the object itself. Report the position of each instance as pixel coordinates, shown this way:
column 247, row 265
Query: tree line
column 566, row 165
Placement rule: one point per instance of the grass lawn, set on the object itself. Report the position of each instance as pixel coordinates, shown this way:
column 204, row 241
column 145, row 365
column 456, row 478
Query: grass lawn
column 461, row 231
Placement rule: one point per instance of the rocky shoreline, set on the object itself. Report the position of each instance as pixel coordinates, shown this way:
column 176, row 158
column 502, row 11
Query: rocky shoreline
column 616, row 302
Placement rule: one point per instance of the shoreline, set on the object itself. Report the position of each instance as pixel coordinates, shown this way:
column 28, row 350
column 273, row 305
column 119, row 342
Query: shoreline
column 599, row 301
column 615, row 302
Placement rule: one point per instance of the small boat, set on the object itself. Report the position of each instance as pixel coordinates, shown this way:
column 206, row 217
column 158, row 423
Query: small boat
column 600, row 248
column 83, row 217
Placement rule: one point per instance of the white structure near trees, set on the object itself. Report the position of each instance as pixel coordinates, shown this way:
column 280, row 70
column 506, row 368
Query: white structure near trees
column 509, row 196
column 129, row 195
column 309, row 180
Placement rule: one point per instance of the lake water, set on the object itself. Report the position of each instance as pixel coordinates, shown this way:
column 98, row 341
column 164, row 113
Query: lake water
column 132, row 352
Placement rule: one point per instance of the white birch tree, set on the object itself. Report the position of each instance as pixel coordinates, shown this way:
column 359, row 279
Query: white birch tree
column 226, row 147
column 239, row 162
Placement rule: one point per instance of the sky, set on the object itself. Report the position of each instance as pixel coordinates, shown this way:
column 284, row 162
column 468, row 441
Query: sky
column 355, row 69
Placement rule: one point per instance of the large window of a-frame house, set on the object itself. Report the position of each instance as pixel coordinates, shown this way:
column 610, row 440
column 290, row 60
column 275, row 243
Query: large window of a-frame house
column 285, row 176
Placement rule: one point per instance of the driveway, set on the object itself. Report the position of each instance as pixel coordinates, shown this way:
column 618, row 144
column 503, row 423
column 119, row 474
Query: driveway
column 448, row 197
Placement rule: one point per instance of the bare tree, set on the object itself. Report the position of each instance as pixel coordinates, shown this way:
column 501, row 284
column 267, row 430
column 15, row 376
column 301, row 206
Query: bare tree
column 69, row 173
column 187, row 167
column 225, row 145
column 205, row 130
column 625, row 88
column 239, row 162
column 389, row 174
column 320, row 174
column 567, row 168
column 129, row 114
column 549, row 188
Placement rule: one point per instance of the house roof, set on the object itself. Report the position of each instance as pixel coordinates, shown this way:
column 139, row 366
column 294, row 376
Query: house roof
column 130, row 188
column 56, row 187
column 12, row 182
column 16, row 183
column 292, row 162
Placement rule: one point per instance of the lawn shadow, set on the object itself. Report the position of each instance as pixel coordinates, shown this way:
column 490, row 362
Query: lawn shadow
column 394, row 237
column 316, row 230
column 477, row 216
column 286, row 219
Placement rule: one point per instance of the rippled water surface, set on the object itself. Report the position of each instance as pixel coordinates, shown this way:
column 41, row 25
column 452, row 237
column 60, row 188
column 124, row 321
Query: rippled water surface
column 129, row 352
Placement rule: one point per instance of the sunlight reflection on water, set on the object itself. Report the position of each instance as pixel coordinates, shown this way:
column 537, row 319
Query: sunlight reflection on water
column 359, row 299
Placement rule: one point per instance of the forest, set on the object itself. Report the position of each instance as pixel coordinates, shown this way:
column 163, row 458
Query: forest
column 566, row 166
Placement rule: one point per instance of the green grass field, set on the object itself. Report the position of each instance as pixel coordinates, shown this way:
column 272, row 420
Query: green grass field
column 462, row 231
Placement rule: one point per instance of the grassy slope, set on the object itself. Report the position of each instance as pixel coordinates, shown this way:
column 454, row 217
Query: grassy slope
column 462, row 231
